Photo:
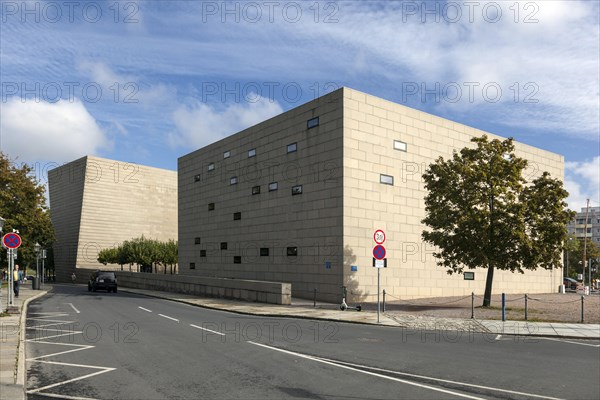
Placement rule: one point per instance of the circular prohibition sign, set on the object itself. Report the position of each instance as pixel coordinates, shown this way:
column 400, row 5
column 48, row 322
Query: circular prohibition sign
column 11, row 240
column 379, row 252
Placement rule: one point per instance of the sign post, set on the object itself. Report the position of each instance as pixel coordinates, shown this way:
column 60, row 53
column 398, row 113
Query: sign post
column 11, row 241
column 379, row 262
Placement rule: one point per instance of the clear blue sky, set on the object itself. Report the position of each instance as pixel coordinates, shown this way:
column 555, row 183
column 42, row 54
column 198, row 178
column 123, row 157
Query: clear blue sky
column 149, row 81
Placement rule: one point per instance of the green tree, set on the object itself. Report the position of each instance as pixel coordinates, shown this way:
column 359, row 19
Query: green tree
column 576, row 257
column 482, row 213
column 23, row 206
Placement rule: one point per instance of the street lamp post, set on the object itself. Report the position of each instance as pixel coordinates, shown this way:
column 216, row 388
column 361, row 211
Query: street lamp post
column 37, row 248
column 2, row 226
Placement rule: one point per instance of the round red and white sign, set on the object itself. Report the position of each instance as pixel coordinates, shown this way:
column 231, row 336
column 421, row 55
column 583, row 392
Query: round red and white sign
column 379, row 236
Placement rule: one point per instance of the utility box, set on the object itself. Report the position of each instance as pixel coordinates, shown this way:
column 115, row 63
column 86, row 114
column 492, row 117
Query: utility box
column 35, row 283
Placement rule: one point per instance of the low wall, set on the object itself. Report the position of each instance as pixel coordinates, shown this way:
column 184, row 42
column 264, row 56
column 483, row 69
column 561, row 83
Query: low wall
column 238, row 289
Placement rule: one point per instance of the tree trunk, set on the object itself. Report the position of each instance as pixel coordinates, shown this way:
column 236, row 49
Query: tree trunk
column 487, row 296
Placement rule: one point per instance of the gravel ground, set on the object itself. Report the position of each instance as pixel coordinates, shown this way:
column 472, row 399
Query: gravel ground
column 541, row 307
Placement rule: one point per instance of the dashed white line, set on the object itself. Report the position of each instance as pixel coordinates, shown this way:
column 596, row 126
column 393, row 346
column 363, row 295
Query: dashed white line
column 73, row 307
column 571, row 342
column 171, row 318
column 145, row 309
column 208, row 330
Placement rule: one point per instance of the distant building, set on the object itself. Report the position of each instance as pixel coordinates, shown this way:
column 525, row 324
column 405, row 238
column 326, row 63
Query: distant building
column 577, row 226
column 297, row 198
column 96, row 203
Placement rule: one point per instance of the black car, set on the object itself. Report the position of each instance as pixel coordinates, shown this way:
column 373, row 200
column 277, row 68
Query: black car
column 570, row 283
column 103, row 280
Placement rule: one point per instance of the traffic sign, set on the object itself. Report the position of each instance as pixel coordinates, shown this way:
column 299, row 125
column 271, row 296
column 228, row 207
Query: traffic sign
column 379, row 252
column 379, row 236
column 11, row 240
column 380, row 263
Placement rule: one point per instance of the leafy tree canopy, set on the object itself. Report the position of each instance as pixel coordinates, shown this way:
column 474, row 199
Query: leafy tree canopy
column 23, row 206
column 482, row 213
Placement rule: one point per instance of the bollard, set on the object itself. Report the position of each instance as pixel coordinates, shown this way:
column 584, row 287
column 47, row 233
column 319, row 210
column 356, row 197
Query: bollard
column 472, row 305
column 383, row 300
column 582, row 309
column 315, row 298
column 525, row 307
column 503, row 307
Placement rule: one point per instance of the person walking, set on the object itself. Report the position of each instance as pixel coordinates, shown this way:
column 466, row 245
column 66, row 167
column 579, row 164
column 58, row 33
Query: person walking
column 16, row 280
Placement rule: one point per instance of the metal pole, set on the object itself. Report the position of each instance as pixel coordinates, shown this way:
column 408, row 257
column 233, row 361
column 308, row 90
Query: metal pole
column 42, row 282
column 11, row 262
column 582, row 297
column 315, row 298
column 37, row 264
column 525, row 307
column 378, row 271
column 503, row 307
column 472, row 305
column 383, row 300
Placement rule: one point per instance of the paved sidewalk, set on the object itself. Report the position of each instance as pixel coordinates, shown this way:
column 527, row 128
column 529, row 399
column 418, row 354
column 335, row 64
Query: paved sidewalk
column 304, row 309
column 12, row 348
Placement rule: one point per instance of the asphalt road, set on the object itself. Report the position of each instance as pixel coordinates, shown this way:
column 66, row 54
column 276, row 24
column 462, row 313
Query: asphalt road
column 125, row 346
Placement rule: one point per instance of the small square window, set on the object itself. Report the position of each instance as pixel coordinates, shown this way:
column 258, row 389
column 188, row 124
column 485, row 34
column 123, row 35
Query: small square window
column 202, row 253
column 292, row 147
column 264, row 251
column 233, row 180
column 226, row 154
column 386, row 179
column 223, row 245
column 256, row 190
column 211, row 166
column 192, row 265
column 251, row 153
column 237, row 259
column 273, row 186
column 211, row 206
column 197, row 178
column 292, row 251
column 297, row 190
column 196, row 240
column 398, row 145
column 313, row 122
column 237, row 216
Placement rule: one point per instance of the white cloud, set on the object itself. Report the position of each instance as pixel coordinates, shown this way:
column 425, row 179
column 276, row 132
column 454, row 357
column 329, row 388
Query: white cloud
column 582, row 181
column 200, row 124
column 57, row 132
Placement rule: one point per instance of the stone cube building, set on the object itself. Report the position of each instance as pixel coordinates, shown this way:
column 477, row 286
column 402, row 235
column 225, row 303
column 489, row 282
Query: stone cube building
column 97, row 203
column 297, row 198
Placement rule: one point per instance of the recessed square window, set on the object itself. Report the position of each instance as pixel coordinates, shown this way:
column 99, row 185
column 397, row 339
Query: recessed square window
column 202, row 253
column 233, row 180
column 297, row 190
column 226, row 154
column 292, row 147
column 237, row 259
column 251, row 153
column 197, row 178
column 211, row 166
column 313, row 122
column 196, row 240
column 273, row 186
column 256, row 190
column 386, row 179
column 292, row 251
column 211, row 206
column 192, row 265
column 237, row 216
column 223, row 245
column 264, row 251
column 399, row 145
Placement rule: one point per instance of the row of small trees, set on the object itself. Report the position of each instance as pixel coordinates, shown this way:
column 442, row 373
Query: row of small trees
column 147, row 254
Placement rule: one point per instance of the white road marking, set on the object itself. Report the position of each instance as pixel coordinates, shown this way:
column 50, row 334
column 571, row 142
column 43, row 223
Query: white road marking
column 145, row 309
column 70, row 380
column 208, row 330
column 171, row 318
column 62, row 396
column 73, row 307
column 570, row 341
column 351, row 366
column 466, row 396
column 498, row 337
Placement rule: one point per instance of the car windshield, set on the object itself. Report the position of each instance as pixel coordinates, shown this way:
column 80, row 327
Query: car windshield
column 106, row 275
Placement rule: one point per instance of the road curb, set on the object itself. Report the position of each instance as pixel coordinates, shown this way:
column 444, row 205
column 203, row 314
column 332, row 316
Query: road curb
column 21, row 369
column 295, row 316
